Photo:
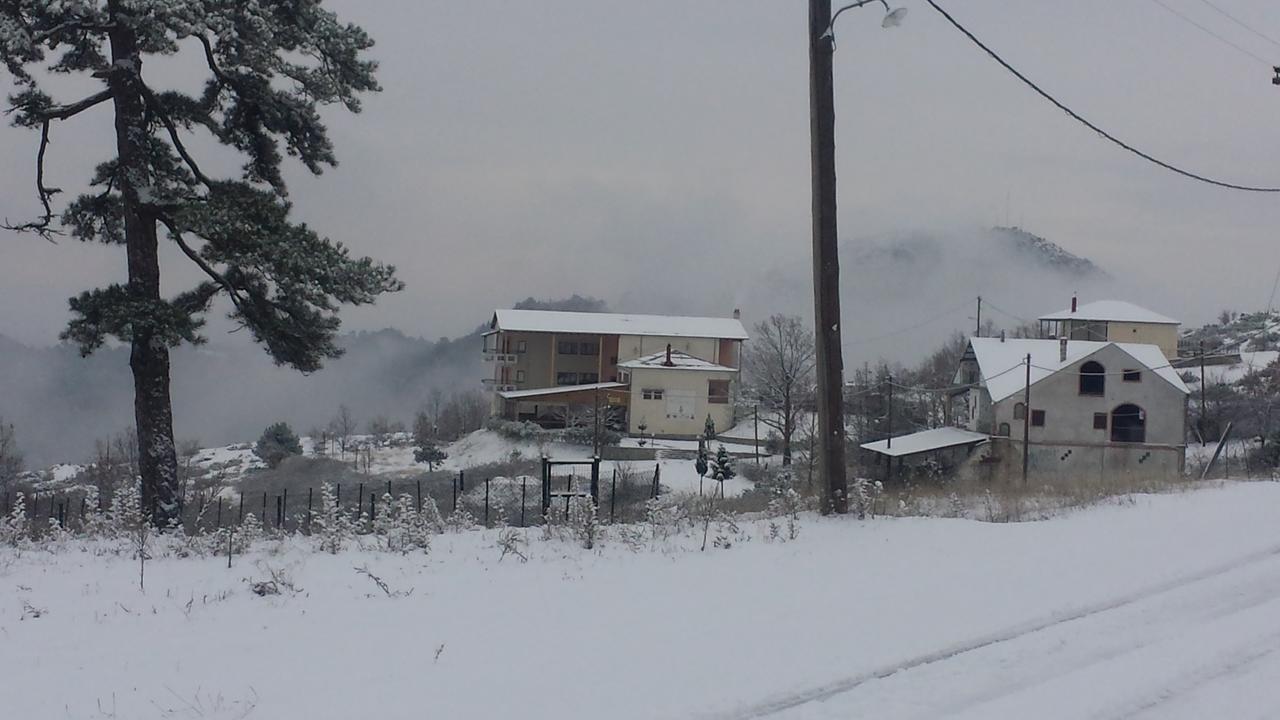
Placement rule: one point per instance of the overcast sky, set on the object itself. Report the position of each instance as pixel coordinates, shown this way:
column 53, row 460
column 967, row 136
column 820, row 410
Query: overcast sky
column 651, row 152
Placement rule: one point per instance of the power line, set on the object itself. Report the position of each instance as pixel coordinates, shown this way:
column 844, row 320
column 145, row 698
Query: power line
column 916, row 326
column 1077, row 117
column 1178, row 14
column 1241, row 23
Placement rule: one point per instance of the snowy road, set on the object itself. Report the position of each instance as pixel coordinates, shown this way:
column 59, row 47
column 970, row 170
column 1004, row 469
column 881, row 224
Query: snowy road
column 1206, row 645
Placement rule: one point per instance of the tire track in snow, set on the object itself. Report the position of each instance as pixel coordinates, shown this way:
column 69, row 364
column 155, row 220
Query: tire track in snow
column 827, row 690
column 1195, row 610
column 1253, row 653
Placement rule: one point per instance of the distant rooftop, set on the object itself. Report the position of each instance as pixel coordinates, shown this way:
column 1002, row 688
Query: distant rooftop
column 679, row 361
column 584, row 323
column 1112, row 311
column 925, row 441
column 1003, row 368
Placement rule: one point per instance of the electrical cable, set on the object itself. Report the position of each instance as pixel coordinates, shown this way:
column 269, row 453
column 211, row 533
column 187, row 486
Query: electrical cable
column 1078, row 118
column 1241, row 23
column 1213, row 34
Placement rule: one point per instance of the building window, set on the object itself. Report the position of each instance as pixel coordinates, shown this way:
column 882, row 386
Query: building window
column 519, row 376
column 567, row 378
column 568, row 347
column 522, row 346
column 1004, row 430
column 1019, row 411
column 588, row 378
column 652, row 393
column 1128, row 424
column 1037, row 418
column 718, row 392
column 1132, row 376
column 1093, row 379
column 1099, row 421
column 589, row 348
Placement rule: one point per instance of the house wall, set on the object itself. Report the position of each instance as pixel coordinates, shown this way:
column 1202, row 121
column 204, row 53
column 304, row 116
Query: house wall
column 686, row 387
column 1069, row 415
column 631, row 347
column 972, row 410
column 1165, row 336
column 1000, row 462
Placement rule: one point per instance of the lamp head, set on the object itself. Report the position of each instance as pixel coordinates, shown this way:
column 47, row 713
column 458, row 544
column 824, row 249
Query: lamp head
column 894, row 18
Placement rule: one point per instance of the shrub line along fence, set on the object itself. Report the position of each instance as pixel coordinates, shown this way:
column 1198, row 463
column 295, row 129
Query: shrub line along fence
column 211, row 511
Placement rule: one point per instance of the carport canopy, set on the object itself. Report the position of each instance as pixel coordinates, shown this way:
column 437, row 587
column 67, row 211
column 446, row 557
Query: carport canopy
column 925, row 441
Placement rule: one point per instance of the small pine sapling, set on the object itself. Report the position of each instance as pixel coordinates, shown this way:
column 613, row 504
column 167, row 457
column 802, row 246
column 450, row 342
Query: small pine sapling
column 14, row 526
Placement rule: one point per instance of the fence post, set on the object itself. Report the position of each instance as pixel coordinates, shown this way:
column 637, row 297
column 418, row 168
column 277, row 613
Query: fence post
column 524, row 486
column 595, row 481
column 360, row 501
column 657, row 469
column 455, row 495
column 279, row 512
column 240, row 521
column 264, row 508
column 372, row 509
column 486, row 502
column 462, row 483
column 231, row 533
column 337, row 497
column 419, row 496
column 613, row 494
column 219, row 525
column 388, row 487
column 309, row 491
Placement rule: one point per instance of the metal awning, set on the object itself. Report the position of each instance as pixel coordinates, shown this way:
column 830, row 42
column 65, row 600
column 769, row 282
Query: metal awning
column 925, row 441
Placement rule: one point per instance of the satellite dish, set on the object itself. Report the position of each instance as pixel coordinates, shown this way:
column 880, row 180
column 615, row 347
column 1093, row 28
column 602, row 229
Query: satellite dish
column 894, row 18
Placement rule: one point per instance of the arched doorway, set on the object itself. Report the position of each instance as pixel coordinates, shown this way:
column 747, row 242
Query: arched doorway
column 1128, row 424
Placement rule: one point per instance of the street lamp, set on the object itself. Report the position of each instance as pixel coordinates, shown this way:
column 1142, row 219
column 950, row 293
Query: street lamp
column 826, row 251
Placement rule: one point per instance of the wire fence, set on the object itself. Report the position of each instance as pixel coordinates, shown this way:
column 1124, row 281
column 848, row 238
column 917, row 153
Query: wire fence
column 489, row 501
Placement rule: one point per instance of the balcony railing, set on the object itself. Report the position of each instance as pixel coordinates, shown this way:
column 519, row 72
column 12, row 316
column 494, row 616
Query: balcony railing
column 500, row 358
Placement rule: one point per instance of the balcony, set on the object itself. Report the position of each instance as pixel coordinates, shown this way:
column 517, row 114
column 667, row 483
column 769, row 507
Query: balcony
column 494, row 356
column 494, row 386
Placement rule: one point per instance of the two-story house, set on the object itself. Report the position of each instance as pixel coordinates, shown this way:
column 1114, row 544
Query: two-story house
column 1114, row 321
column 662, row 372
column 1095, row 407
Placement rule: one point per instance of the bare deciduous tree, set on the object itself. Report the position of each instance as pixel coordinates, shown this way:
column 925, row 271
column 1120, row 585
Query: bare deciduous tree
column 342, row 427
column 10, row 458
column 779, row 363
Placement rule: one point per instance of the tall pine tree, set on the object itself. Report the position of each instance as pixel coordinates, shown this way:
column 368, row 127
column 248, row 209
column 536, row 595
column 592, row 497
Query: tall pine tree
column 269, row 65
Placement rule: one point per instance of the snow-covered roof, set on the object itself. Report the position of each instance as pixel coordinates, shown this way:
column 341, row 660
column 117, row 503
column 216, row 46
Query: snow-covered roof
column 1004, row 372
column 924, row 441
column 517, row 394
column 679, row 361
column 1112, row 311
column 584, row 323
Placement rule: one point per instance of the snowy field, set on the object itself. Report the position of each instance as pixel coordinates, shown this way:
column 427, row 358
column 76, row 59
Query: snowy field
column 1165, row 607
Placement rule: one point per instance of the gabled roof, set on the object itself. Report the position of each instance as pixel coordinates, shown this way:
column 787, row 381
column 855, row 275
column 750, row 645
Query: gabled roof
column 1003, row 369
column 679, row 361
column 1112, row 311
column 583, row 323
column 925, row 441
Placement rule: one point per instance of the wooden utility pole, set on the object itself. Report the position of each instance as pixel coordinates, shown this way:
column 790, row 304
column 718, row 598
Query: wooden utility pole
column 1200, row 424
column 826, row 260
column 1026, row 423
column 888, row 442
column 755, row 412
column 978, row 330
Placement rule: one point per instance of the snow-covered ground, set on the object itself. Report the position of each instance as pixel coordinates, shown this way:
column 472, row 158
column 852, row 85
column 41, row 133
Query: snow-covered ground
column 1234, row 373
column 1166, row 607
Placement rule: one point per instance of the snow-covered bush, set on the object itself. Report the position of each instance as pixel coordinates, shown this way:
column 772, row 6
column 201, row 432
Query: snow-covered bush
column 13, row 528
column 332, row 527
column 583, row 521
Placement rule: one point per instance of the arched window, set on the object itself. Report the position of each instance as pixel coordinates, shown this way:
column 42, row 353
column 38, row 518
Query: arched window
column 1093, row 379
column 1128, row 424
column 1019, row 411
column 1004, row 430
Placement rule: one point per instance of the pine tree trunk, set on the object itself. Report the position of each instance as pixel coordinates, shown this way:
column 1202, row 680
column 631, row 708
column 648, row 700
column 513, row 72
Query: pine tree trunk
column 149, row 358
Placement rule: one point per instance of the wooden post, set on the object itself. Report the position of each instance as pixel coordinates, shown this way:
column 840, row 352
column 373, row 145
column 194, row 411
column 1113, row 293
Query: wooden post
column 264, row 509
column 455, row 495
column 1200, row 425
column 1026, row 424
column 978, row 330
column 419, row 496
column 279, row 511
column 524, row 486
column 755, row 412
column 486, row 502
column 241, row 519
column 373, row 510
column 462, row 482
column 826, row 260
column 613, row 494
column 219, row 525
column 595, row 480
column 284, row 509
column 309, row 491
column 360, row 501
